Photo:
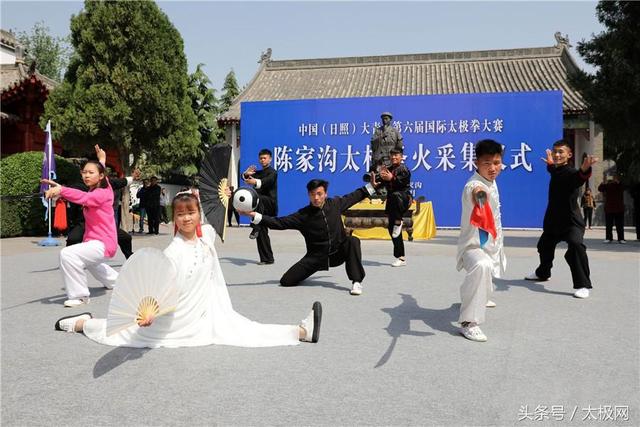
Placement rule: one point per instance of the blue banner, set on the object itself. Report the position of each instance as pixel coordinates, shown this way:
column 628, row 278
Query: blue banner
column 330, row 139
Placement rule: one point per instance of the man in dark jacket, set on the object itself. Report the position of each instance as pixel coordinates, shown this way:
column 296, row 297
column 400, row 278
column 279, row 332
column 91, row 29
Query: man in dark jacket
column 265, row 182
column 613, row 191
column 152, row 200
column 320, row 223
column 563, row 221
column 396, row 178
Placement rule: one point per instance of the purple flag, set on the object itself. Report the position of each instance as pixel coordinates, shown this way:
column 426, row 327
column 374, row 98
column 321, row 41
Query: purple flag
column 48, row 163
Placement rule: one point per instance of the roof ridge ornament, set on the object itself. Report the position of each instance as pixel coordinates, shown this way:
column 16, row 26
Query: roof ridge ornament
column 562, row 41
column 265, row 57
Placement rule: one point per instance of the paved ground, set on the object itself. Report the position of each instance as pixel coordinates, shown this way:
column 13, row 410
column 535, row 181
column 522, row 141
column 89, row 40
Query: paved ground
column 390, row 357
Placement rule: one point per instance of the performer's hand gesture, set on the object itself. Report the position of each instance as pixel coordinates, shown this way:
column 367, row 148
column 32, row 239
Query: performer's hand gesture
column 479, row 195
column 147, row 321
column 588, row 162
column 54, row 188
column 247, row 213
column 549, row 159
column 250, row 171
column 385, row 174
column 101, row 154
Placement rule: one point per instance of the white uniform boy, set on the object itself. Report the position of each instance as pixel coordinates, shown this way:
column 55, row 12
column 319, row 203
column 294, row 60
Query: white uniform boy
column 480, row 263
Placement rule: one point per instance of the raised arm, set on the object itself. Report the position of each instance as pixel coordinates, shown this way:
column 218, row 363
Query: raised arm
column 348, row 200
column 289, row 222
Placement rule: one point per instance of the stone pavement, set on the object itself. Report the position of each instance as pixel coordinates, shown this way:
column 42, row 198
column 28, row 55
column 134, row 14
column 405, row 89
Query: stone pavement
column 392, row 356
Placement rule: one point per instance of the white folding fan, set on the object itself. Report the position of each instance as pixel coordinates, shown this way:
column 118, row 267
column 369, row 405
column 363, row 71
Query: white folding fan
column 145, row 286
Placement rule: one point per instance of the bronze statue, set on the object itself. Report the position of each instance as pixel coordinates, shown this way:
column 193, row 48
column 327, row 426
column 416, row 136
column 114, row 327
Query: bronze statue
column 385, row 138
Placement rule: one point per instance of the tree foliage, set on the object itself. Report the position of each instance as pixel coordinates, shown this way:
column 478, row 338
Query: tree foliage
column 230, row 89
column 51, row 54
column 613, row 92
column 126, row 86
column 205, row 106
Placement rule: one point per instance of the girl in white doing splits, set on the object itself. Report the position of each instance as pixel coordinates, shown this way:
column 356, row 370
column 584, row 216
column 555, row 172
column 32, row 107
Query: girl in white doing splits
column 480, row 248
column 204, row 314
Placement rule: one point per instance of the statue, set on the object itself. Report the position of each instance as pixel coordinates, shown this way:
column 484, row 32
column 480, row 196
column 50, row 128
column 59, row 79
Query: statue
column 384, row 139
column 265, row 56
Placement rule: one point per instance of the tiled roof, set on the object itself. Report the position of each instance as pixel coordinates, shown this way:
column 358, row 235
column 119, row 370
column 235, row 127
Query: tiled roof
column 12, row 75
column 513, row 70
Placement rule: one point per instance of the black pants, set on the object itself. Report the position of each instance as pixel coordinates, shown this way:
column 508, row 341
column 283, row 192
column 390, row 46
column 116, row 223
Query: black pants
column 163, row 214
column 231, row 212
column 636, row 219
column 618, row 218
column 348, row 253
column 588, row 216
column 76, row 234
column 266, row 206
column 153, row 219
column 576, row 255
column 396, row 207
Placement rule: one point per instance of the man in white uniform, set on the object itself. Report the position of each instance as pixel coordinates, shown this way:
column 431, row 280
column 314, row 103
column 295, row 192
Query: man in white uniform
column 480, row 249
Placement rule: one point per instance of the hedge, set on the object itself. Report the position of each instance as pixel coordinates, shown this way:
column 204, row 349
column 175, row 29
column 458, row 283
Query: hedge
column 20, row 175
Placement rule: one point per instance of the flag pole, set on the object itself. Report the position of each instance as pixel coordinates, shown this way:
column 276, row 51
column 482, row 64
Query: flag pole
column 49, row 241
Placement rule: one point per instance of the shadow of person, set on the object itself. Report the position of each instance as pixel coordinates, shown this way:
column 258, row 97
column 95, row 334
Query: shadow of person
column 408, row 310
column 237, row 261
column 265, row 282
column 115, row 358
column 504, row 285
column 58, row 299
column 370, row 263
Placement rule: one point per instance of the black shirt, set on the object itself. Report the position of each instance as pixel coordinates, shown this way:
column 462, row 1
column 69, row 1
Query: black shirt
column 268, row 185
column 321, row 228
column 562, row 208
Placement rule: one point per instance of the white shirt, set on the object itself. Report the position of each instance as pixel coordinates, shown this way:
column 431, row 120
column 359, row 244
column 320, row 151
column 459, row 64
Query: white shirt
column 469, row 235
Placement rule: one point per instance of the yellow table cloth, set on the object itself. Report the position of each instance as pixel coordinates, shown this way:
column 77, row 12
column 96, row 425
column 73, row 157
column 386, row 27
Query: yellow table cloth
column 424, row 224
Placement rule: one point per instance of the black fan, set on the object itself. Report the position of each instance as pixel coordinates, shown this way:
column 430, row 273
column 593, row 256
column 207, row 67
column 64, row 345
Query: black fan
column 213, row 181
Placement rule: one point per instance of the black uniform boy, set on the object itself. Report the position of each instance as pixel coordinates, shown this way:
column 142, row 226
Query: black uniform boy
column 562, row 220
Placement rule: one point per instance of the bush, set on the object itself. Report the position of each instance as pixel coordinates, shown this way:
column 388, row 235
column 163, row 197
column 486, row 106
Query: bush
column 20, row 176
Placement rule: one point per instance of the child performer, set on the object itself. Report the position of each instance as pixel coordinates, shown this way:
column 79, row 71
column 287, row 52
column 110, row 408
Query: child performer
column 100, row 238
column 204, row 314
column 562, row 220
column 481, row 255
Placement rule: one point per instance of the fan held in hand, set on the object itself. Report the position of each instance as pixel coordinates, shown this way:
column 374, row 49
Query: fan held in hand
column 145, row 290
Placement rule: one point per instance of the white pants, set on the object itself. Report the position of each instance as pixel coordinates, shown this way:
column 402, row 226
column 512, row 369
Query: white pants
column 90, row 255
column 477, row 285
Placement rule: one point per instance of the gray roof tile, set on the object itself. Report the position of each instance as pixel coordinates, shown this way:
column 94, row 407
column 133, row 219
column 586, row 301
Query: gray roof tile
column 513, row 70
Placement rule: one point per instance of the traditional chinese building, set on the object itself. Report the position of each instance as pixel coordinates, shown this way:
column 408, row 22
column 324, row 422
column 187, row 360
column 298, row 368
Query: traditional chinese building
column 489, row 71
column 23, row 92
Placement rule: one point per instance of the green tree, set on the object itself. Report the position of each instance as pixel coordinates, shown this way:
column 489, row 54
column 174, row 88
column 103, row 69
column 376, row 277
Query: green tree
column 613, row 92
column 126, row 86
column 230, row 89
column 205, row 106
column 51, row 54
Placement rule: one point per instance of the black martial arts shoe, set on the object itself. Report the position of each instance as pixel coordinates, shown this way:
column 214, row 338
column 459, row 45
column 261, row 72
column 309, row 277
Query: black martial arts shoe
column 68, row 323
column 254, row 233
column 312, row 323
column 265, row 263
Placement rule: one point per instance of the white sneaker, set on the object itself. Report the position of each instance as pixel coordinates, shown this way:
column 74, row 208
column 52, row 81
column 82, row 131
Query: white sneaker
column 606, row 241
column 356, row 289
column 473, row 333
column 622, row 242
column 399, row 262
column 68, row 324
column 581, row 293
column 397, row 230
column 74, row 302
column 311, row 324
column 535, row 278
column 491, row 304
